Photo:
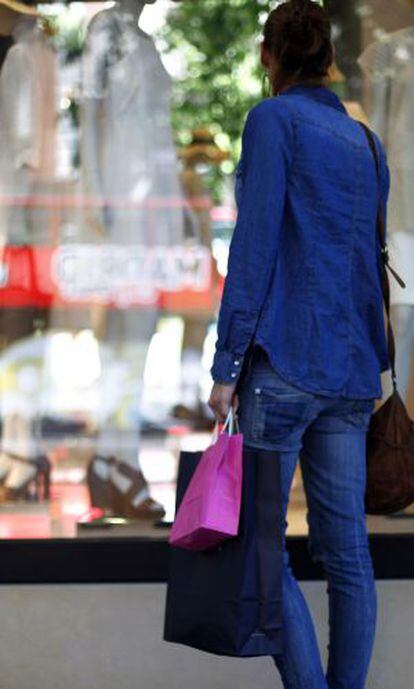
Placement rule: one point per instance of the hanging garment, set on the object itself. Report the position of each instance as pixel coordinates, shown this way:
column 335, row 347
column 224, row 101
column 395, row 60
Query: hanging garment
column 27, row 132
column 137, row 163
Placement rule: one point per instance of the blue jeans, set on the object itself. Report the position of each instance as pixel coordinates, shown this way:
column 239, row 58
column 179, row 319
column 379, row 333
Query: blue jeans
column 328, row 435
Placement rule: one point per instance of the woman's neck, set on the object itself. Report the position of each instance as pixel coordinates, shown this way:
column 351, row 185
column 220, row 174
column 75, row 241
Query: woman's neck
column 303, row 82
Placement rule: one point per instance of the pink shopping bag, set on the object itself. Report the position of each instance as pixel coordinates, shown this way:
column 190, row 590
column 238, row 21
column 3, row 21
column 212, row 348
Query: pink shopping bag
column 210, row 509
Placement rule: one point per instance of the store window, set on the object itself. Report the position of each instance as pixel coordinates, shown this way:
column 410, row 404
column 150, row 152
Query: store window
column 119, row 134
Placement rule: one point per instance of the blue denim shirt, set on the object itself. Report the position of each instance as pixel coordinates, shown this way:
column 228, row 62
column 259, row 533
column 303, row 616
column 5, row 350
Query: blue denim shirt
column 304, row 265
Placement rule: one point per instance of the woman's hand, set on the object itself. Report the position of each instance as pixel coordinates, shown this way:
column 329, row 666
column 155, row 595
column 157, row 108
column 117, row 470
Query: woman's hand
column 222, row 397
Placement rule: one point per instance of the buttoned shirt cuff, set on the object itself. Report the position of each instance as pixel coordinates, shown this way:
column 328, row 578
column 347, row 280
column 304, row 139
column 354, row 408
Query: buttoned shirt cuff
column 226, row 367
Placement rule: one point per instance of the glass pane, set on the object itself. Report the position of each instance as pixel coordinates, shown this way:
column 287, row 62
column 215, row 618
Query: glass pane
column 107, row 296
column 120, row 133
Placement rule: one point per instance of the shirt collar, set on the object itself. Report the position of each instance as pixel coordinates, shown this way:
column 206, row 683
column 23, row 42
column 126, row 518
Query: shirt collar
column 319, row 93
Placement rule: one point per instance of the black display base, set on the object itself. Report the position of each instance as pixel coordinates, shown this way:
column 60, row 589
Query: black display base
column 133, row 560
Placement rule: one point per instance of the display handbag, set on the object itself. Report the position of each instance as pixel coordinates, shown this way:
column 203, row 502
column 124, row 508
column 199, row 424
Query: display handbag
column 390, row 438
column 210, row 509
column 227, row 600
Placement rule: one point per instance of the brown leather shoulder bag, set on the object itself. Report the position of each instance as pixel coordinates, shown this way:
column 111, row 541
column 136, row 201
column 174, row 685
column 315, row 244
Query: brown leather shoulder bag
column 390, row 438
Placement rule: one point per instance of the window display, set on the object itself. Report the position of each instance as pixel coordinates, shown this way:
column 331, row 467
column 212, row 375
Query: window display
column 104, row 225
column 119, row 141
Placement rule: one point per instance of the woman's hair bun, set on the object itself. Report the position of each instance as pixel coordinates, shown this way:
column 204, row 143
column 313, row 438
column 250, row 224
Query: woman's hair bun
column 298, row 29
column 298, row 33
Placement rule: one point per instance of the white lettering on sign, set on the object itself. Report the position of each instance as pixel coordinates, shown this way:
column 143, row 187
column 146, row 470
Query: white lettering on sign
column 128, row 274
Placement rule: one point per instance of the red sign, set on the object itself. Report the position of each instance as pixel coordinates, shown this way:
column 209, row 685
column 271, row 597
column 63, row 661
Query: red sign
column 174, row 278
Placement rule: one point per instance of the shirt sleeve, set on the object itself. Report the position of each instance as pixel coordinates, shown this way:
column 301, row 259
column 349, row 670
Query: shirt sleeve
column 266, row 154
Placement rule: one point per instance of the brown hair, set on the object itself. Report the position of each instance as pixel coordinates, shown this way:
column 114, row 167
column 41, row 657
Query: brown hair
column 298, row 35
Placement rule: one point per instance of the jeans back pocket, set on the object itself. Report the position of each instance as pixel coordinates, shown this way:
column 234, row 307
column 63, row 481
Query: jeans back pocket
column 278, row 413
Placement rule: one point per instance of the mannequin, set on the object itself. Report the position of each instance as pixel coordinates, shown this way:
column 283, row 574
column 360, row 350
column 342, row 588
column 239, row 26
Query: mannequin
column 27, row 127
column 128, row 159
column 27, row 121
column 127, row 146
column 389, row 67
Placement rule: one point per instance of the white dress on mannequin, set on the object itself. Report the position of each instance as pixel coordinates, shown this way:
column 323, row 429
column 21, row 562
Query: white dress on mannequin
column 27, row 129
column 133, row 159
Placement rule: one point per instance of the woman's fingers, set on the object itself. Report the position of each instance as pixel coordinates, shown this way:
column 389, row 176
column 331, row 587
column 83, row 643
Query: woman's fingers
column 221, row 400
column 220, row 409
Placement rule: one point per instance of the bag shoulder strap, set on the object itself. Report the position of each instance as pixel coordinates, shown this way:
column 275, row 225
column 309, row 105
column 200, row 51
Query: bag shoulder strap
column 385, row 283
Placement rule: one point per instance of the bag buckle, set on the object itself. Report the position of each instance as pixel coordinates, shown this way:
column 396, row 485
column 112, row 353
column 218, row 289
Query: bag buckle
column 385, row 253
column 386, row 256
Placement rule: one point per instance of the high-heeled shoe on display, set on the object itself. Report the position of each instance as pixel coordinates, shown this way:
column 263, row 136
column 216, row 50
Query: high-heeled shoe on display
column 133, row 502
column 27, row 479
column 24, row 468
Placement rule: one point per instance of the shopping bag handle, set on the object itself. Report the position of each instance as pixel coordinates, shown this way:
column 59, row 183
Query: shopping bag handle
column 230, row 425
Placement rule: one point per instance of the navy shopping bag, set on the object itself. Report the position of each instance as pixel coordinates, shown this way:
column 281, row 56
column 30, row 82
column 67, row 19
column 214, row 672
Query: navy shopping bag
column 228, row 600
